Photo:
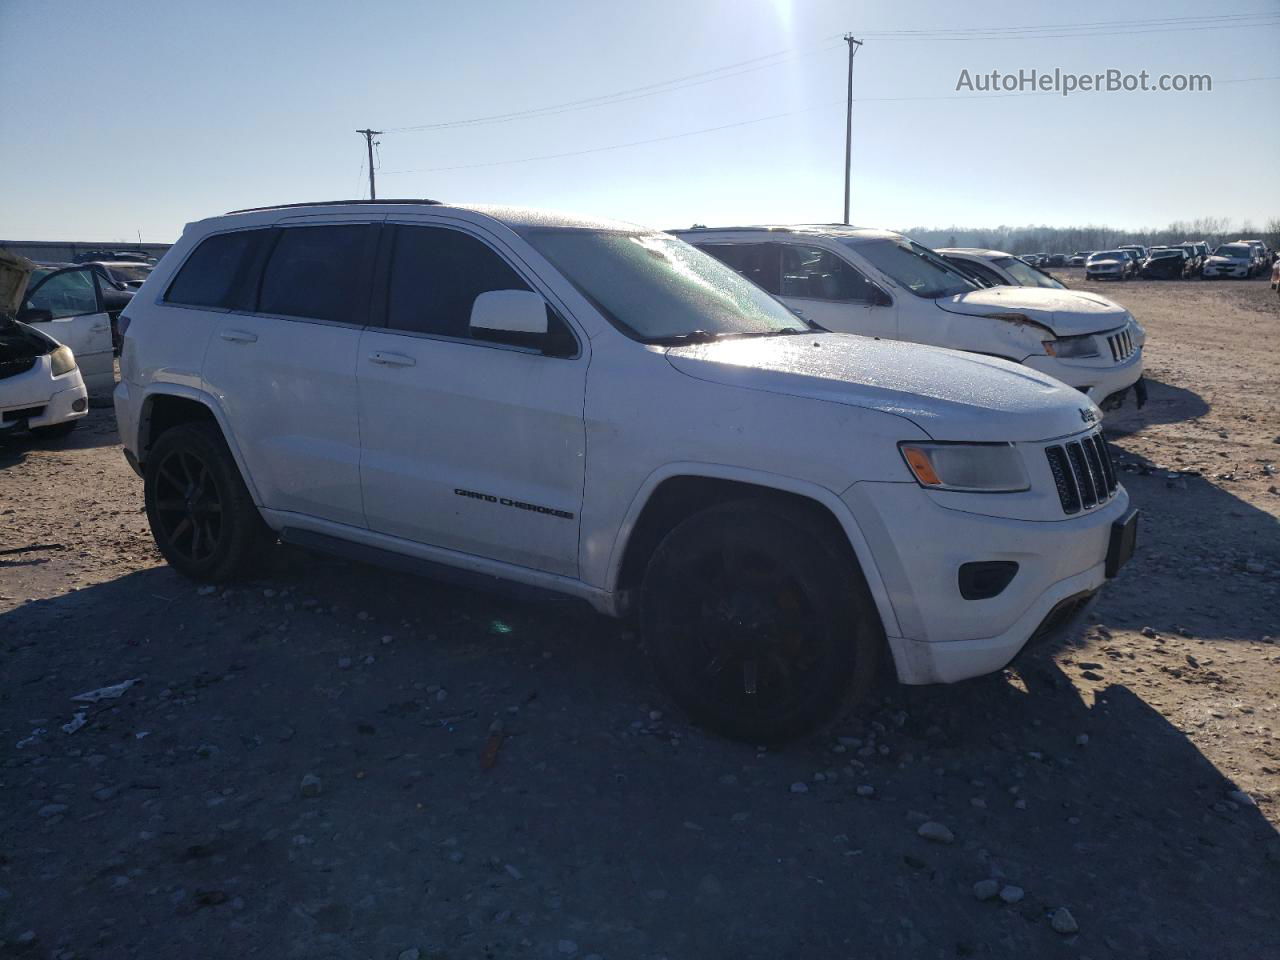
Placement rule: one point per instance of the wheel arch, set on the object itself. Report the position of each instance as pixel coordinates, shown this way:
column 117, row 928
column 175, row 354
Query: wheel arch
column 174, row 404
column 679, row 490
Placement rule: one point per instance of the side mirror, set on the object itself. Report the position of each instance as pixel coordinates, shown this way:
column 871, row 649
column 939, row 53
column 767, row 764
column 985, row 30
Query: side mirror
column 35, row 315
column 882, row 299
column 508, row 311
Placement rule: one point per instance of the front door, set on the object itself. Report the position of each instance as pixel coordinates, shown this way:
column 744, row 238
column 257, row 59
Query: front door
column 828, row 290
column 468, row 444
column 79, row 321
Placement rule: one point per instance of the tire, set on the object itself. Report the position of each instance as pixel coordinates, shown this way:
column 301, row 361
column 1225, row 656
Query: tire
column 758, row 622
column 55, row 431
column 200, row 511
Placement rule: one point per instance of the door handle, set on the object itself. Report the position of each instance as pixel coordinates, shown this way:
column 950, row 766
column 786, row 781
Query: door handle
column 239, row 336
column 99, row 328
column 392, row 359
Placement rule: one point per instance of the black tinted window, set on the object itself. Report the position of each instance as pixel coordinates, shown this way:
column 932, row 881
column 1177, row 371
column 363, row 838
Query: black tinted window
column 816, row 274
column 758, row 262
column 317, row 272
column 436, row 275
column 211, row 275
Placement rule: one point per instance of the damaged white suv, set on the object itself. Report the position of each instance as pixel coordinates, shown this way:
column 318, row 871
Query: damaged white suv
column 602, row 411
column 882, row 284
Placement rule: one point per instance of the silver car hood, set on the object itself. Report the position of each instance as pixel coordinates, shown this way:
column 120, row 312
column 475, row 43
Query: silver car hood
column 949, row 394
column 1064, row 312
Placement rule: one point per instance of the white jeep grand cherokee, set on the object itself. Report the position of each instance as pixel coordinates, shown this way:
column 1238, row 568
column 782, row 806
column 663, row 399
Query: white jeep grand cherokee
column 882, row 284
column 603, row 411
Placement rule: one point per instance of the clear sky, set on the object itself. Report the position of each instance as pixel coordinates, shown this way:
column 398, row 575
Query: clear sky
column 129, row 117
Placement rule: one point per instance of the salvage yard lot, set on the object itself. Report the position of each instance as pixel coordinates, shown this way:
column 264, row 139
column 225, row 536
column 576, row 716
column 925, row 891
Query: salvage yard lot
column 493, row 778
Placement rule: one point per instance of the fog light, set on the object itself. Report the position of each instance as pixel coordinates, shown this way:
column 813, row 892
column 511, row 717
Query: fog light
column 80, row 405
column 986, row 579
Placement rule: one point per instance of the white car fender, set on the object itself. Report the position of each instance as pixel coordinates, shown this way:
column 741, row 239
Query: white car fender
column 827, row 498
column 157, row 389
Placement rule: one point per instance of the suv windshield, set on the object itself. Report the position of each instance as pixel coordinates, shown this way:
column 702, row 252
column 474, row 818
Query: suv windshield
column 1110, row 255
column 1027, row 276
column 1232, row 250
column 1159, row 252
column 917, row 268
column 659, row 289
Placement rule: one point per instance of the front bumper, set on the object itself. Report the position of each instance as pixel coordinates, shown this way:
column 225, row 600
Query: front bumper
column 919, row 546
column 36, row 398
column 1239, row 273
column 1096, row 382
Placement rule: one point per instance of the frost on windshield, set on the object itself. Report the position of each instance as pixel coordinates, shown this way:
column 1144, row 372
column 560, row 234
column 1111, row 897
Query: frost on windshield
column 657, row 287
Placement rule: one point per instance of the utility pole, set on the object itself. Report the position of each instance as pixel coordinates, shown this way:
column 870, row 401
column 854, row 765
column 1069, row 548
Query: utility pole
column 368, row 140
column 848, row 122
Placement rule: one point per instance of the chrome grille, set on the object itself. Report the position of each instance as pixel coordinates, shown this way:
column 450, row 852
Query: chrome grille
column 1121, row 344
column 1083, row 472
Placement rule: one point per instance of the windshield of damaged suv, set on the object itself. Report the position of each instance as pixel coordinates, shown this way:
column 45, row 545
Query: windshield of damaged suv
column 658, row 289
column 1234, row 251
column 1027, row 276
column 917, row 268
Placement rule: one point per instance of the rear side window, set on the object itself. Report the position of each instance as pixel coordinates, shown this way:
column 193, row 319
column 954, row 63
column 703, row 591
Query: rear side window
column 758, row 262
column 436, row 275
column 318, row 273
column 211, row 275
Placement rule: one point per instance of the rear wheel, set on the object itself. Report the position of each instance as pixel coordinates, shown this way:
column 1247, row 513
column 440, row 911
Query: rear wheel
column 200, row 511
column 757, row 620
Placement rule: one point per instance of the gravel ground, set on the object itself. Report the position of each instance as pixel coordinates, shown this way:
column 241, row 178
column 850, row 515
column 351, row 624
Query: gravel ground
column 335, row 762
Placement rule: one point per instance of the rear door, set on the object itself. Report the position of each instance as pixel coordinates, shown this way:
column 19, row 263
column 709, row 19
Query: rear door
column 282, row 363
column 80, row 321
column 469, row 444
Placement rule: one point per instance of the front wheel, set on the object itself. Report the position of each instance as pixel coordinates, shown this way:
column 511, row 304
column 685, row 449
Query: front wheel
column 200, row 511
column 757, row 620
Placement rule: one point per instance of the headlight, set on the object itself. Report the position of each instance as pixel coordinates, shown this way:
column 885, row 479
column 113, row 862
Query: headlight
column 1072, row 347
column 972, row 467
column 63, row 360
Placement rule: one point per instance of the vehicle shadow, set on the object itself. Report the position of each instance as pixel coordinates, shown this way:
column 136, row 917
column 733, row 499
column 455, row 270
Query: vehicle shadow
column 97, row 429
column 1193, row 533
column 643, row 834
column 1165, row 404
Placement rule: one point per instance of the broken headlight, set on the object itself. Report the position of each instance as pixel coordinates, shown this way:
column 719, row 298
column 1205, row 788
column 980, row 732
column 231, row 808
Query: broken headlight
column 63, row 360
column 1075, row 348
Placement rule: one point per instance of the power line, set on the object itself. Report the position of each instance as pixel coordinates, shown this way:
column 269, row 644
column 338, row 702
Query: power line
column 1079, row 25
column 753, row 120
column 622, row 96
column 1114, row 32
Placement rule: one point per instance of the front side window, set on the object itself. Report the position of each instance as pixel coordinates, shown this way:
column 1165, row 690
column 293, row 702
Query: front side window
column 436, row 275
column 1026, row 276
column 919, row 269
column 977, row 271
column 211, row 274
column 658, row 289
column 71, row 293
column 317, row 273
column 813, row 273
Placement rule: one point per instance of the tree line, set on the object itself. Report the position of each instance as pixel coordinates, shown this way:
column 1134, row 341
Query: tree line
column 1045, row 239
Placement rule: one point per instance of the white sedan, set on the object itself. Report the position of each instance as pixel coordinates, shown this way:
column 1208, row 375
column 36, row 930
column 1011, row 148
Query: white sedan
column 40, row 384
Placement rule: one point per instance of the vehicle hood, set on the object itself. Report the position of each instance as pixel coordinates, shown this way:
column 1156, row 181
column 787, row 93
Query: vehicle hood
column 14, row 273
column 950, row 395
column 1065, row 312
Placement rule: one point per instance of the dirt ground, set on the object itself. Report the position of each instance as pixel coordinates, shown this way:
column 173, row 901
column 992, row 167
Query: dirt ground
column 300, row 770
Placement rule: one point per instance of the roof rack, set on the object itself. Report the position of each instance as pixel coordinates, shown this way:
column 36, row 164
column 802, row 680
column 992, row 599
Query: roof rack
column 327, row 203
column 701, row 229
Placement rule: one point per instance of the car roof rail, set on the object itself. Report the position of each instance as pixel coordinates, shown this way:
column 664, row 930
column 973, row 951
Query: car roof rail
column 330, row 203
